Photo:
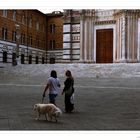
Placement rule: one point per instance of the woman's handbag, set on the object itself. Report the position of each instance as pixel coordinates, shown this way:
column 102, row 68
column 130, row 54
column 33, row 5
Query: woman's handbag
column 70, row 91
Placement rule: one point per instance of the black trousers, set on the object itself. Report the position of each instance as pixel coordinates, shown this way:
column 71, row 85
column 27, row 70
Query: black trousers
column 68, row 105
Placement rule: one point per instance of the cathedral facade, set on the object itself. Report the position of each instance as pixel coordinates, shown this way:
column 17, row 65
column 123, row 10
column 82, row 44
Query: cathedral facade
column 101, row 36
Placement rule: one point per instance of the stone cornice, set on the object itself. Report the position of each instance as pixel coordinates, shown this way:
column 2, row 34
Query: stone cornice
column 87, row 13
column 119, row 13
column 105, row 22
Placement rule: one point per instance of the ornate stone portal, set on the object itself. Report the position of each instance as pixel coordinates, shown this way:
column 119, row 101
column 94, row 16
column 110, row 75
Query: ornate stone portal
column 81, row 42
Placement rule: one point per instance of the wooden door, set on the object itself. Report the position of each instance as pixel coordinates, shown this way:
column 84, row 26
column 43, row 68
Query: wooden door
column 104, row 46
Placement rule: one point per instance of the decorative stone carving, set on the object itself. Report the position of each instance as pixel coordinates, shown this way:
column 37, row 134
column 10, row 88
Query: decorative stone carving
column 104, row 15
column 125, row 32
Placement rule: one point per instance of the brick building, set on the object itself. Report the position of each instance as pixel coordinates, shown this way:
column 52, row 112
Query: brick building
column 32, row 36
column 54, row 36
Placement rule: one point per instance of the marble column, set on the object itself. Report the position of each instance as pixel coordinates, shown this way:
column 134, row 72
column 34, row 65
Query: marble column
column 90, row 40
column 138, row 50
column 81, row 39
column 87, row 39
column 132, row 38
column 123, row 39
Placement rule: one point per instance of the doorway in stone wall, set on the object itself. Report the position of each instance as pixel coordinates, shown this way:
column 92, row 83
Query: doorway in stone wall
column 104, row 46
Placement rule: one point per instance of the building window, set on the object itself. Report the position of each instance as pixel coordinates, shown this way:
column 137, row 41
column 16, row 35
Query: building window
column 37, row 42
column 14, row 15
column 23, row 18
column 23, row 39
column 5, row 13
column 13, row 36
column 52, row 44
column 43, row 28
column 29, row 40
column 30, row 22
column 37, row 25
column 4, row 33
column 52, row 28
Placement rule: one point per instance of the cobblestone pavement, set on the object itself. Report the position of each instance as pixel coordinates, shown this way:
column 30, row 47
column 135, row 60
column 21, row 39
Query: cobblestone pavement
column 100, row 104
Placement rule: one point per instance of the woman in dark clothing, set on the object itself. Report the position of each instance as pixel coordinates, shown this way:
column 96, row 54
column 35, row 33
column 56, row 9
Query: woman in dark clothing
column 68, row 90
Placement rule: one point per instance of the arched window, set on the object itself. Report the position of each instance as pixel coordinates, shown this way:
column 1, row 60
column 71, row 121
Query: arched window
column 14, row 36
column 52, row 44
column 4, row 13
column 37, row 25
column 30, row 22
column 4, row 33
column 22, row 38
column 23, row 19
column 52, row 28
column 14, row 15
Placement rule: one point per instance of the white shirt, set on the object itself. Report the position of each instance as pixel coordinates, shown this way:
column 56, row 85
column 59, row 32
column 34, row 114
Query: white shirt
column 54, row 85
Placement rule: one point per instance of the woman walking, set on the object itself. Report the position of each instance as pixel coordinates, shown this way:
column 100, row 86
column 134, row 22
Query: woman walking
column 69, row 92
column 53, row 84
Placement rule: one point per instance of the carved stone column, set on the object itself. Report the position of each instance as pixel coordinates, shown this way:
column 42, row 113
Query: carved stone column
column 132, row 37
column 123, row 39
column 86, row 35
column 127, row 35
column 138, row 39
column 91, row 25
column 82, row 37
column 86, row 40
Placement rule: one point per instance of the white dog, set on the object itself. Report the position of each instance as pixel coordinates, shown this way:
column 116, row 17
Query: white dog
column 49, row 110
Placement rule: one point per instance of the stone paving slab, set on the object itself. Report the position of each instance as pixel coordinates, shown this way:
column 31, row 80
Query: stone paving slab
column 100, row 104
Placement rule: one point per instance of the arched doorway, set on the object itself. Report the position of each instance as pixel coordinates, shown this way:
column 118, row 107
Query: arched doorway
column 4, row 57
column 43, row 60
column 22, row 58
column 36, row 59
column 30, row 59
column 14, row 62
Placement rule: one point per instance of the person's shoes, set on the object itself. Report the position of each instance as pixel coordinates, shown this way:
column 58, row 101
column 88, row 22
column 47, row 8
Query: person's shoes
column 66, row 111
column 72, row 111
